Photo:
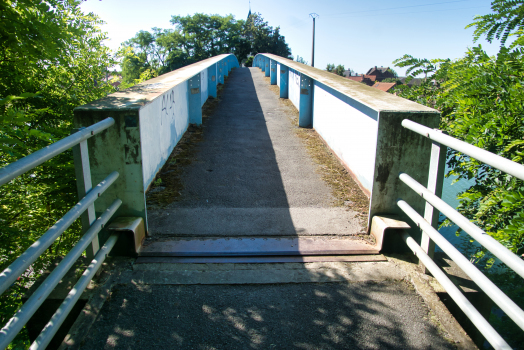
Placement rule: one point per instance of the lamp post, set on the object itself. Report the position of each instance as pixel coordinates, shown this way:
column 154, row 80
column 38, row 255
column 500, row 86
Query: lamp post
column 314, row 16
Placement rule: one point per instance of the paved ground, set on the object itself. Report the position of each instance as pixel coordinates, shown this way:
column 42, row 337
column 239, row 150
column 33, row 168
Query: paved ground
column 252, row 175
column 366, row 315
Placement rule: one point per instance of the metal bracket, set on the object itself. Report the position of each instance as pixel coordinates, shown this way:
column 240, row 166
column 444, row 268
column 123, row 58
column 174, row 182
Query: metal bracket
column 134, row 230
column 379, row 225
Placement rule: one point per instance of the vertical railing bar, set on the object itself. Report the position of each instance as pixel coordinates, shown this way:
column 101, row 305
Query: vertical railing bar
column 84, row 185
column 437, row 166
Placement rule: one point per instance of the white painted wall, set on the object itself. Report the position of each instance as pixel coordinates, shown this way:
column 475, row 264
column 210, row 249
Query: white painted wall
column 162, row 124
column 294, row 88
column 204, row 93
column 349, row 128
column 278, row 74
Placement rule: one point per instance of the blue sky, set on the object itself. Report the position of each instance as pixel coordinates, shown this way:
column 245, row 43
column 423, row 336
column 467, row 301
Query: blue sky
column 357, row 34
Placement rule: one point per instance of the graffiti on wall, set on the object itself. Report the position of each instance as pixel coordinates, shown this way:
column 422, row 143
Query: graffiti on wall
column 168, row 107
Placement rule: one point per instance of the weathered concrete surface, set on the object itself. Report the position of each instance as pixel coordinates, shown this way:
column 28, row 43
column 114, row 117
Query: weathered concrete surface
column 373, row 98
column 255, row 221
column 365, row 306
column 252, row 175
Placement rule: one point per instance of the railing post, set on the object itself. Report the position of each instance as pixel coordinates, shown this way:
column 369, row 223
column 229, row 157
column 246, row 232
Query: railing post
column 263, row 63
column 267, row 68
column 437, row 165
column 84, row 185
column 305, row 115
column 224, row 65
column 273, row 73
column 212, row 81
column 194, row 100
column 284, row 81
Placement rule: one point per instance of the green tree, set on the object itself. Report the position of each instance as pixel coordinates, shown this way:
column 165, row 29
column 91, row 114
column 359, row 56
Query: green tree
column 330, row 67
column 265, row 39
column 52, row 61
column 196, row 38
column 340, row 70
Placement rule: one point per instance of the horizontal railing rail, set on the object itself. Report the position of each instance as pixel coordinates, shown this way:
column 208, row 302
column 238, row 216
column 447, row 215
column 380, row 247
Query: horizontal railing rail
column 20, row 265
column 505, row 255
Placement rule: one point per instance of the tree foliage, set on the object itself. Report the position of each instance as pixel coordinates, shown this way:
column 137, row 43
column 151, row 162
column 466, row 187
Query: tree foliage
column 507, row 20
column 195, row 38
column 480, row 98
column 52, row 60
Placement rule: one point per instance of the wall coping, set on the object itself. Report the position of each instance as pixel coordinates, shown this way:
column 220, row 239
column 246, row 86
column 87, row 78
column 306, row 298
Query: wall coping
column 140, row 95
column 375, row 99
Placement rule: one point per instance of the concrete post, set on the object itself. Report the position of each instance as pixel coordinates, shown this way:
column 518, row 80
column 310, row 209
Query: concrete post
column 273, row 73
column 194, row 100
column 117, row 149
column 305, row 115
column 400, row 150
column 212, row 81
column 284, row 81
column 267, row 68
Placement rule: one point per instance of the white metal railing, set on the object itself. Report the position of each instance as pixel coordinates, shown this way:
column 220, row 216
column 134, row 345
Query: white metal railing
column 77, row 140
column 433, row 201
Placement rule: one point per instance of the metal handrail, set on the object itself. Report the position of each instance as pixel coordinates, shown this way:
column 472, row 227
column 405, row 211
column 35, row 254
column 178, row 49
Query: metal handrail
column 480, row 154
column 501, row 252
column 465, row 305
column 501, row 299
column 10, row 274
column 17, row 322
column 74, row 294
column 10, row 171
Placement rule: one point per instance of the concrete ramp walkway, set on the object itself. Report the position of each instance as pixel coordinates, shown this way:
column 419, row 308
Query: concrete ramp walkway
column 252, row 189
column 251, row 176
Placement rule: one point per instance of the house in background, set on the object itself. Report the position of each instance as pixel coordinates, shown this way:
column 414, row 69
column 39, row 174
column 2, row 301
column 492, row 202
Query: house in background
column 384, row 86
column 381, row 73
column 364, row 79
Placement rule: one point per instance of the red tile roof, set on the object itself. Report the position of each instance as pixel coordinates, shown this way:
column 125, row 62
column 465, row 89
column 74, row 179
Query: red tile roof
column 384, row 86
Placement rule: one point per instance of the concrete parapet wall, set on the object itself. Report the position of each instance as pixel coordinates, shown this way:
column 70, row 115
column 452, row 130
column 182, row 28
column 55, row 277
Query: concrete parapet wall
column 150, row 118
column 362, row 126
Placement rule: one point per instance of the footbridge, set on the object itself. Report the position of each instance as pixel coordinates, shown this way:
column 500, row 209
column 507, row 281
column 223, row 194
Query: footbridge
column 276, row 206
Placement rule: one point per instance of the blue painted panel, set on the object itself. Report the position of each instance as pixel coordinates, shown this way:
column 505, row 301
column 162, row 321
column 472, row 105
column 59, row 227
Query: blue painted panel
column 267, row 67
column 212, row 81
column 194, row 99
column 305, row 114
column 273, row 72
column 284, row 81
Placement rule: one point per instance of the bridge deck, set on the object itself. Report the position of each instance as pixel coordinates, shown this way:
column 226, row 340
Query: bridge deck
column 252, row 180
column 251, row 176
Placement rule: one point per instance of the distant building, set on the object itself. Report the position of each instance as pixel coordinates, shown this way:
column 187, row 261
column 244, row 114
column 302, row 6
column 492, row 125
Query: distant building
column 364, row 79
column 384, row 86
column 380, row 73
